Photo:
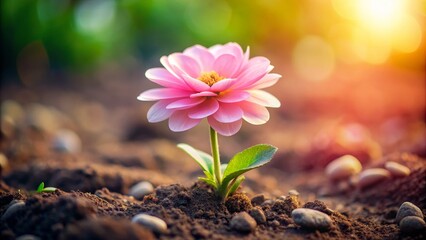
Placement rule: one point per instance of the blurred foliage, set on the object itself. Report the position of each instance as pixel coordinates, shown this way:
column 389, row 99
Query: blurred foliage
column 80, row 34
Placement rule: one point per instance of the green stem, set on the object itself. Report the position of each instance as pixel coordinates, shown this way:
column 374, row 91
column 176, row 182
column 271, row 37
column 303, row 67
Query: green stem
column 216, row 158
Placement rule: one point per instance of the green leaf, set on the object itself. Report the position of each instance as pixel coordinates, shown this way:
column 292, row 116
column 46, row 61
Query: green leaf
column 248, row 159
column 209, row 182
column 40, row 187
column 223, row 166
column 203, row 159
column 49, row 189
column 235, row 185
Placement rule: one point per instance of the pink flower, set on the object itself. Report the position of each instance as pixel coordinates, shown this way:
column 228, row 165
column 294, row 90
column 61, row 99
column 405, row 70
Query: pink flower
column 219, row 83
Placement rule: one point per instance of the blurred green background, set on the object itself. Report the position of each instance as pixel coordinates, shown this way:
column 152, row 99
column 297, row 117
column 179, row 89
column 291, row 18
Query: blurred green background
column 81, row 34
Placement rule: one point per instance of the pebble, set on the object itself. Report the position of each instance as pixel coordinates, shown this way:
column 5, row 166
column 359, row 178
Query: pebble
column 258, row 200
column 12, row 209
column 156, row 224
column 408, row 209
column 3, row 161
column 412, row 224
column 343, row 167
column 243, row 222
column 372, row 176
column 293, row 192
column 42, row 117
column 141, row 189
column 258, row 215
column 12, row 109
column 397, row 169
column 66, row 141
column 311, row 219
column 28, row 237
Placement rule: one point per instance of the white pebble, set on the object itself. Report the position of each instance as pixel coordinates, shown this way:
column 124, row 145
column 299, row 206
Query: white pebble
column 12, row 209
column 397, row 169
column 372, row 176
column 154, row 223
column 408, row 209
column 28, row 237
column 343, row 167
column 141, row 189
column 412, row 224
column 66, row 141
column 311, row 219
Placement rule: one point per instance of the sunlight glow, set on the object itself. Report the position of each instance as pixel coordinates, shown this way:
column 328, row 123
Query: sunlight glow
column 381, row 27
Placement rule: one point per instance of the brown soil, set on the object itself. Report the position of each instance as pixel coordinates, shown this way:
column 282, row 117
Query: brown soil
column 92, row 200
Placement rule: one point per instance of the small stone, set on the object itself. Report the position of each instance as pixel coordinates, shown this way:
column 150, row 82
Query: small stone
column 311, row 219
column 408, row 209
column 397, row 169
column 28, row 237
column 243, row 222
column 343, row 167
column 258, row 215
column 66, row 141
column 293, row 192
column 3, row 161
column 12, row 209
column 412, row 224
column 141, row 189
column 154, row 223
column 372, row 176
column 258, row 200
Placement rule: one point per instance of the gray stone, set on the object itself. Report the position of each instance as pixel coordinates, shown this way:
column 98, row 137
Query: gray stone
column 372, row 176
column 408, row 209
column 397, row 169
column 311, row 219
column 12, row 209
column 141, row 189
column 258, row 200
column 66, row 141
column 156, row 224
column 343, row 167
column 243, row 222
column 28, row 237
column 412, row 224
column 258, row 215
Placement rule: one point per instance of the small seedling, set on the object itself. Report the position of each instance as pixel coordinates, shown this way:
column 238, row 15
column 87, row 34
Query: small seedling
column 42, row 189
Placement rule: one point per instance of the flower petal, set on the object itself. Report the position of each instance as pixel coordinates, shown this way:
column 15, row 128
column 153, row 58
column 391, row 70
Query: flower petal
column 254, row 114
column 185, row 103
column 179, row 121
column 255, row 70
column 228, row 113
column 165, row 61
column 202, row 55
column 195, row 84
column 158, row 111
column 263, row 98
column 205, row 109
column 164, row 78
column 203, row 94
column 233, row 96
column 184, row 64
column 226, row 65
column 162, row 93
column 267, row 81
column 231, row 48
column 225, row 129
column 224, row 84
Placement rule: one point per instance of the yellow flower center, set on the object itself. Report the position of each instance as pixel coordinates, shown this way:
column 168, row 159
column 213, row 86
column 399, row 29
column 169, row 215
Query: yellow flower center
column 210, row 78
